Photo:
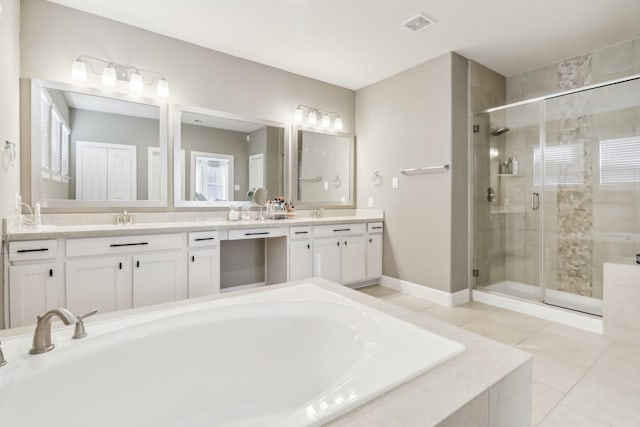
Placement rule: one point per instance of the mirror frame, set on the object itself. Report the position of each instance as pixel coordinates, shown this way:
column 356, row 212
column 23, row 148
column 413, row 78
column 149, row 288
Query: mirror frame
column 34, row 152
column 177, row 166
column 332, row 204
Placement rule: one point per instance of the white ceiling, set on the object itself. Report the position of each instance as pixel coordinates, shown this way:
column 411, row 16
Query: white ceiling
column 82, row 101
column 354, row 43
column 206, row 120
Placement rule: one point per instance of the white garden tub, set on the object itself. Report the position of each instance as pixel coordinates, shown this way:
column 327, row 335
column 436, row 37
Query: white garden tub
column 292, row 356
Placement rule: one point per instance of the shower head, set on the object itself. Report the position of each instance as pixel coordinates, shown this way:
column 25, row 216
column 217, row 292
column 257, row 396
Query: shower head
column 498, row 130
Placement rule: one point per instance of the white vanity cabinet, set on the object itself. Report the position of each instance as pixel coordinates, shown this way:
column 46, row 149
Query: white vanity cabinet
column 374, row 250
column 115, row 273
column 35, row 280
column 102, row 284
column 159, row 278
column 204, row 263
column 300, row 253
column 339, row 252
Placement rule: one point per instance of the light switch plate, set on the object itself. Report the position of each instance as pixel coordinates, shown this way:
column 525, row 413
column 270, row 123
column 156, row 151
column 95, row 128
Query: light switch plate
column 326, row 185
column 370, row 203
column 394, row 182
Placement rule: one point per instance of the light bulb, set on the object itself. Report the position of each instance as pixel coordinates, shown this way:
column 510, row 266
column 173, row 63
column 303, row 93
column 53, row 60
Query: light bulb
column 297, row 116
column 79, row 71
column 136, row 84
column 163, row 88
column 313, row 117
column 109, row 76
column 337, row 124
column 326, row 120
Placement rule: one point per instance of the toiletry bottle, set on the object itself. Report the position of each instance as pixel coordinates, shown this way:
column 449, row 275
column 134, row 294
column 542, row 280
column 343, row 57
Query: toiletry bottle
column 37, row 216
column 514, row 165
column 509, row 166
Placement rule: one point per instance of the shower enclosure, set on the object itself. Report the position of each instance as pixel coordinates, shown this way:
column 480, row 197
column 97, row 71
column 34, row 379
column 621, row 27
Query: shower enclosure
column 556, row 193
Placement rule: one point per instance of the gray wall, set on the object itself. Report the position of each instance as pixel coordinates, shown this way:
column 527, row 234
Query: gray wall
column 210, row 140
column 408, row 121
column 9, row 117
column 115, row 129
column 54, row 36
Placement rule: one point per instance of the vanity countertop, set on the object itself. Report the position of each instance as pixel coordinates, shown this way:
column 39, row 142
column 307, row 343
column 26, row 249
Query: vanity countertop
column 103, row 230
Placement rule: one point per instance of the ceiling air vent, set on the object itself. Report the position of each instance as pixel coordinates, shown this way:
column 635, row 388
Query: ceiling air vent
column 419, row 23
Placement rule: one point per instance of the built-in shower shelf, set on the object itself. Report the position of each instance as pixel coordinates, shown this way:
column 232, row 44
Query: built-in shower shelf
column 509, row 174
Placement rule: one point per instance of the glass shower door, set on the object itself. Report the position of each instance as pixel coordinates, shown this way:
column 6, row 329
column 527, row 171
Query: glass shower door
column 591, row 190
column 506, row 205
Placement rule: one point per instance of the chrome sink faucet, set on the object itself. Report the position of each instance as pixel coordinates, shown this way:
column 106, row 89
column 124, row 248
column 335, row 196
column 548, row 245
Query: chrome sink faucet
column 42, row 335
column 319, row 213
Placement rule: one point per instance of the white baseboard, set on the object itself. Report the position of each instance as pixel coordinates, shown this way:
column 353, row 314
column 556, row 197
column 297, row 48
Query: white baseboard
column 554, row 314
column 439, row 297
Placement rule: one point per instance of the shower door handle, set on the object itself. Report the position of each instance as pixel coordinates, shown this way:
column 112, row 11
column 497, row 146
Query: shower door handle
column 535, row 201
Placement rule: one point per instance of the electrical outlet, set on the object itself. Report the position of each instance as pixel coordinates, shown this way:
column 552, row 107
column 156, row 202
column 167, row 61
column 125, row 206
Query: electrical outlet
column 326, row 185
column 370, row 203
column 236, row 187
column 394, row 182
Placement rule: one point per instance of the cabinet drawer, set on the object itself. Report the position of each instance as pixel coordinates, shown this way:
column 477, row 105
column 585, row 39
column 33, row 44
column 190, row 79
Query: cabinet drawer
column 124, row 244
column 33, row 249
column 338, row 230
column 257, row 233
column 375, row 227
column 303, row 232
column 199, row 239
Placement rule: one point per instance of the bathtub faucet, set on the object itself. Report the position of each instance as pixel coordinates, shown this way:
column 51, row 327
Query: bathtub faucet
column 42, row 335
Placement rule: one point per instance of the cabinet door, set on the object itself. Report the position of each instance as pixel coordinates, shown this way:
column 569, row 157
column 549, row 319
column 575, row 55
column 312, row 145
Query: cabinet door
column 159, row 278
column 33, row 290
column 99, row 284
column 326, row 259
column 353, row 259
column 374, row 256
column 300, row 259
column 204, row 272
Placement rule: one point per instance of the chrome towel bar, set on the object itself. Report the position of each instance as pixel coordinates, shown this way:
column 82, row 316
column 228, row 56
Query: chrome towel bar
column 311, row 179
column 425, row 169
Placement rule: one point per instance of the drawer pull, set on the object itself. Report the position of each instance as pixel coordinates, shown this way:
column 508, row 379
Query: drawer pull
column 22, row 251
column 257, row 234
column 119, row 266
column 308, row 246
column 193, row 258
column 338, row 243
column 202, row 239
column 345, row 243
column 137, row 264
column 117, row 245
column 301, row 232
column 342, row 229
column 370, row 240
column 376, row 228
column 51, row 272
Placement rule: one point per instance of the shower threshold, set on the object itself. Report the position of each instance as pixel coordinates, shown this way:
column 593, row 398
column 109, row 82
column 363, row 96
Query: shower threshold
column 524, row 298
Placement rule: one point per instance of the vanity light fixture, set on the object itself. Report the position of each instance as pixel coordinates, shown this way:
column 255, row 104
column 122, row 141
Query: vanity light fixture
column 314, row 114
column 312, row 118
column 326, row 120
column 109, row 76
column 111, row 72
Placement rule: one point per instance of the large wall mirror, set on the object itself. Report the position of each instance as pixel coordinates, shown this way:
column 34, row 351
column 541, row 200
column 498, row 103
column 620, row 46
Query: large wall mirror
column 92, row 149
column 324, row 169
column 220, row 158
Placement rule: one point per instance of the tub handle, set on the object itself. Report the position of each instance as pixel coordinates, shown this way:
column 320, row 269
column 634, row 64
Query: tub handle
column 80, row 331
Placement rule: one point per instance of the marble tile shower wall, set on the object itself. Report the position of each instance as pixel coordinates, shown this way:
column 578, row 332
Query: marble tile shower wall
column 585, row 224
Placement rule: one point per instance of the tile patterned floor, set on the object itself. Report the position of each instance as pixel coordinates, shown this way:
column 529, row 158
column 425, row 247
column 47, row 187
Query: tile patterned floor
column 580, row 379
